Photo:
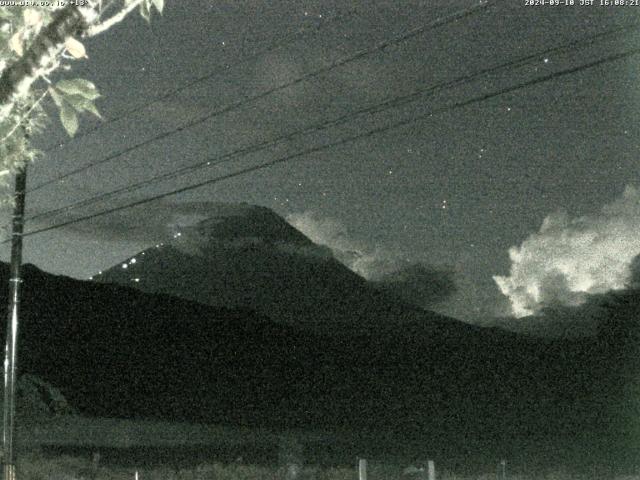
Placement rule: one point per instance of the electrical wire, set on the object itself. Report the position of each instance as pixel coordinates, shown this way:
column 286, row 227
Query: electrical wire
column 376, row 108
column 190, row 84
column 346, row 140
column 308, row 76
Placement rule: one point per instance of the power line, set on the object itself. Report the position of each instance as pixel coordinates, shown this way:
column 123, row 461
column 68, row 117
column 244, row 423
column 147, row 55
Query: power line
column 387, row 104
column 287, row 39
column 233, row 106
column 262, row 166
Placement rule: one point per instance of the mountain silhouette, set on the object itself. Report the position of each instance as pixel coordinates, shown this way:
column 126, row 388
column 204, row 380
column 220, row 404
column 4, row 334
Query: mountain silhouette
column 407, row 380
column 249, row 257
column 118, row 352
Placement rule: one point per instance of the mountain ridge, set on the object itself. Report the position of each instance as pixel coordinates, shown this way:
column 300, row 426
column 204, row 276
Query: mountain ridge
column 253, row 258
column 115, row 351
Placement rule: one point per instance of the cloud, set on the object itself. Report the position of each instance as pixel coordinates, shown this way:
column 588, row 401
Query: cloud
column 599, row 313
column 570, row 258
column 415, row 282
column 448, row 291
column 634, row 276
column 419, row 284
column 148, row 223
column 369, row 262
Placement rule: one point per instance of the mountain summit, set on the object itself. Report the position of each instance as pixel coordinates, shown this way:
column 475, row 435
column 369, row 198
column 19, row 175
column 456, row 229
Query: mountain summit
column 235, row 222
column 250, row 257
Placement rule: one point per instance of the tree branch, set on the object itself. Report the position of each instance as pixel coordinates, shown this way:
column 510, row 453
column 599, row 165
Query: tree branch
column 15, row 127
column 117, row 18
column 16, row 79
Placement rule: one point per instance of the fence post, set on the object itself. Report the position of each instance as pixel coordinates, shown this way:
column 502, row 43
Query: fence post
column 95, row 464
column 502, row 471
column 362, row 469
column 290, row 456
column 431, row 467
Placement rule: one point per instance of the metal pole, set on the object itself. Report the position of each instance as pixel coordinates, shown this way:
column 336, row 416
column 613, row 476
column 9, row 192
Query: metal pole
column 431, row 469
column 11, row 348
column 362, row 469
column 502, row 470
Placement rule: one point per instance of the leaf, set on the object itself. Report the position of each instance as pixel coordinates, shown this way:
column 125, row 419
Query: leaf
column 159, row 4
column 78, row 86
column 57, row 98
column 69, row 119
column 91, row 108
column 75, row 48
column 32, row 17
column 145, row 10
column 15, row 43
column 82, row 104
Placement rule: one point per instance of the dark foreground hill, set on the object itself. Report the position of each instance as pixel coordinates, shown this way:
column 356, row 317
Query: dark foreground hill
column 115, row 351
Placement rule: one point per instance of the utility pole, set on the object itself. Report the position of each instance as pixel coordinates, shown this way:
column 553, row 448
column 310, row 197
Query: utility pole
column 11, row 349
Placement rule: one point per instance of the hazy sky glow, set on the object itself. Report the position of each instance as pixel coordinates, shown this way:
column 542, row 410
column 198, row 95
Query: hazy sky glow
column 455, row 190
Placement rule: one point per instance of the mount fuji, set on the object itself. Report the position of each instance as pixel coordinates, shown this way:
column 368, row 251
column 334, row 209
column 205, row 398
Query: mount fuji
column 249, row 257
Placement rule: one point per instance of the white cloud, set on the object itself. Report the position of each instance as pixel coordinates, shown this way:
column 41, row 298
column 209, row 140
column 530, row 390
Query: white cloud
column 368, row 262
column 570, row 258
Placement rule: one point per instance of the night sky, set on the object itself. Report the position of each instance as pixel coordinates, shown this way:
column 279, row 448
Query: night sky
column 455, row 190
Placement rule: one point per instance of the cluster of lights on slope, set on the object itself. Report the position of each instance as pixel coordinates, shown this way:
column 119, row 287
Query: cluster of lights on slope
column 133, row 260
